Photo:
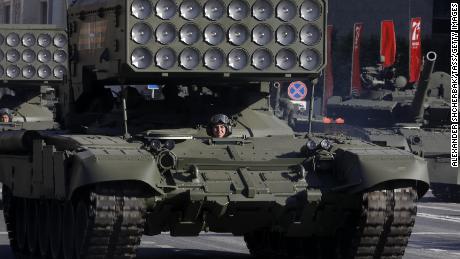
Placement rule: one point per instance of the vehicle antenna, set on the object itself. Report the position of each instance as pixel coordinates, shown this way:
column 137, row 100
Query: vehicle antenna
column 312, row 100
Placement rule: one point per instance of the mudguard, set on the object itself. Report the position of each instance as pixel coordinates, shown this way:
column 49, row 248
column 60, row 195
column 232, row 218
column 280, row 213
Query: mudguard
column 103, row 159
column 365, row 168
column 58, row 165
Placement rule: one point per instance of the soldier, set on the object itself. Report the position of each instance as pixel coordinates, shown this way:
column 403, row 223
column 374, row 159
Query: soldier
column 6, row 116
column 219, row 126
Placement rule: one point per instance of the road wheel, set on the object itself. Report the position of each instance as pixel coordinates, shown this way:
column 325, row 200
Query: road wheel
column 68, row 234
column 21, row 230
column 9, row 213
column 44, row 237
column 32, row 219
column 55, row 229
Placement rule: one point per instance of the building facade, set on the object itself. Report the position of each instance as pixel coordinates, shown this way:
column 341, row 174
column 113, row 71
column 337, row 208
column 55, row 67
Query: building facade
column 344, row 13
column 33, row 11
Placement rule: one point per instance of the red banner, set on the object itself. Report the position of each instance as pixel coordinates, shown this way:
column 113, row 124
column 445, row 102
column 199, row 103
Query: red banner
column 328, row 77
column 388, row 42
column 355, row 64
column 415, row 49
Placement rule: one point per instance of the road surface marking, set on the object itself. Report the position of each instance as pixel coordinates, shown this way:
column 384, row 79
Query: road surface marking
column 436, row 233
column 439, row 217
column 442, row 250
column 437, row 208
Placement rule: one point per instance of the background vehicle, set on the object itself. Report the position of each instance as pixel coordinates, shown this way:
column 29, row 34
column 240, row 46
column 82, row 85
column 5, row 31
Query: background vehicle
column 417, row 119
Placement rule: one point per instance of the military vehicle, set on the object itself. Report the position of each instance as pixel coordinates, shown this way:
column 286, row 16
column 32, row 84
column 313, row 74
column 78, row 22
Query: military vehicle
column 414, row 118
column 128, row 152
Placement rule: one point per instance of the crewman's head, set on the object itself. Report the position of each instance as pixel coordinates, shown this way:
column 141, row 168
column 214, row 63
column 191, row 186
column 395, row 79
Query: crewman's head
column 5, row 115
column 220, row 126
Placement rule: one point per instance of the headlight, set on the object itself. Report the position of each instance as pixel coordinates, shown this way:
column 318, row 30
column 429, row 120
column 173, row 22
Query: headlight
column 141, row 58
column 262, row 10
column 165, row 58
column 237, row 59
column 155, row 145
column 214, row 34
column 309, row 59
column 286, row 59
column 310, row 10
column 238, row 34
column 44, row 40
column 262, row 59
column 310, row 34
column 28, row 72
column 238, row 10
column 141, row 33
column 189, row 34
column 60, row 40
column 12, row 39
column 169, row 144
column 12, row 71
column 189, row 58
column 59, row 72
column 166, row 9
column 325, row 144
column 214, row 9
column 44, row 56
column 60, row 56
column 286, row 10
column 285, row 35
column 262, row 34
column 44, row 71
column 141, row 9
column 213, row 58
column 28, row 56
column 166, row 33
column 190, row 9
column 311, row 145
column 12, row 55
column 28, row 40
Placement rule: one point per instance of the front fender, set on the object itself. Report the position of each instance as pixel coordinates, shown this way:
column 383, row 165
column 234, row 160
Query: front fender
column 366, row 168
column 96, row 159
column 105, row 165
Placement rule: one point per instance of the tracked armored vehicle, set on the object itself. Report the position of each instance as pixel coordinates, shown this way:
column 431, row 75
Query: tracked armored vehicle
column 127, row 149
column 391, row 113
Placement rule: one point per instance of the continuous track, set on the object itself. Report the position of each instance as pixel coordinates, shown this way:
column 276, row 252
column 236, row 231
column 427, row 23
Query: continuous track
column 381, row 230
column 107, row 223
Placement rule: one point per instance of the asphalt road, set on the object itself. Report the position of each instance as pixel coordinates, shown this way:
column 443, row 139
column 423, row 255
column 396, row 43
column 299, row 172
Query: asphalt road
column 436, row 235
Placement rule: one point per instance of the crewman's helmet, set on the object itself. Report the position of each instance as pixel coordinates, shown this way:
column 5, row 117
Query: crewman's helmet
column 8, row 112
column 220, row 119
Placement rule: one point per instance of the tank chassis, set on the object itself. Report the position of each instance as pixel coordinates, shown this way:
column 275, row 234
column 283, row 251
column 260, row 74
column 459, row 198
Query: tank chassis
column 143, row 162
column 413, row 119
